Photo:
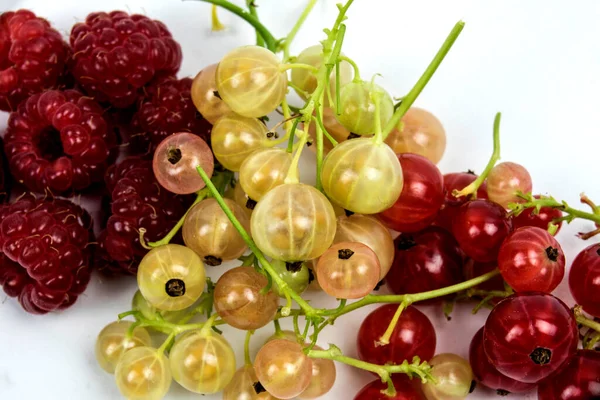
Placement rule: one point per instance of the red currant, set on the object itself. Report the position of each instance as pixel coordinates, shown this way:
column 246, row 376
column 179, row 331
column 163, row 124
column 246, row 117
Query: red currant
column 421, row 198
column 426, row 260
column 405, row 390
column 456, row 181
column 489, row 376
column 529, row 336
column 531, row 259
column 584, row 279
column 480, row 226
column 541, row 219
column 414, row 335
column 473, row 269
column 580, row 380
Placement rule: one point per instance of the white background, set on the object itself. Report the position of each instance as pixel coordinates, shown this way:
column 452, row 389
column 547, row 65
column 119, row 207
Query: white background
column 535, row 61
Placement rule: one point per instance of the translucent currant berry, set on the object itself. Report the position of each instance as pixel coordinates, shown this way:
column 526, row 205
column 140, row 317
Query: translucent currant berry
column 453, row 375
column 530, row 335
column 505, row 180
column 263, row 170
column 357, row 105
column 333, row 127
column 370, row 232
column 584, row 279
column 419, row 132
column 202, row 363
column 531, row 259
column 487, row 375
column 143, row 373
column 209, row 232
column 244, row 386
column 250, row 81
column 239, row 300
column 233, row 138
column 348, row 270
column 112, row 343
column 171, row 277
column 362, row 176
column 323, row 378
column 237, row 194
column 293, row 222
column 283, row 368
column 306, row 80
column 205, row 95
column 175, row 161
column 296, row 276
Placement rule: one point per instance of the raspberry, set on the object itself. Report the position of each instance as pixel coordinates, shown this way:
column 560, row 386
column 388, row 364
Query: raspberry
column 138, row 201
column 58, row 140
column 32, row 57
column 44, row 259
column 168, row 108
column 116, row 55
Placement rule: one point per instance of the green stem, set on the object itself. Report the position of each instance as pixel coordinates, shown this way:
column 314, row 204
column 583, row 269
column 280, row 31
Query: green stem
column 412, row 298
column 583, row 320
column 319, row 121
column 283, row 286
column 270, row 41
column 543, row 201
column 319, row 136
column 354, row 65
column 385, row 339
column 247, row 358
column 410, row 98
column 201, row 195
column 473, row 186
column 422, row 370
column 167, row 342
column 252, row 9
column 278, row 330
column 216, row 24
column 290, row 37
column 295, row 324
column 293, row 172
column 292, row 135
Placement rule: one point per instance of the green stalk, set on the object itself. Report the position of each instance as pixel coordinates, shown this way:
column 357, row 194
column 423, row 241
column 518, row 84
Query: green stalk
column 252, row 9
column 270, row 41
column 283, row 286
column 410, row 98
column 290, row 37
column 247, row 358
column 473, row 186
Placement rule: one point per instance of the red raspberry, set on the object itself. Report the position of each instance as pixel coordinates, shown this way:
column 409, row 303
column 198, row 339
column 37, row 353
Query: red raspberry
column 44, row 259
column 58, row 141
column 32, row 57
column 168, row 109
column 115, row 55
column 138, row 201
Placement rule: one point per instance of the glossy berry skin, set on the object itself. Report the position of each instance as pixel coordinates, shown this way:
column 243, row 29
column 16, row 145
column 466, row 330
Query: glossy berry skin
column 45, row 257
column 456, row 181
column 57, row 141
column 421, row 198
column 541, row 219
column 115, row 55
column 203, row 91
column 505, row 180
column 584, row 279
column 426, row 260
column 32, row 57
column 530, row 259
column 405, row 390
column 137, row 201
column 167, row 108
column 480, row 227
column 487, row 375
column 528, row 336
column 414, row 335
column 580, row 380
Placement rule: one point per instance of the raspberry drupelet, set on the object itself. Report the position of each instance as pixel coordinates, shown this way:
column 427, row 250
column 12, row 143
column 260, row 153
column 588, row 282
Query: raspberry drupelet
column 45, row 257
column 33, row 56
column 116, row 54
column 138, row 201
column 166, row 109
column 58, row 141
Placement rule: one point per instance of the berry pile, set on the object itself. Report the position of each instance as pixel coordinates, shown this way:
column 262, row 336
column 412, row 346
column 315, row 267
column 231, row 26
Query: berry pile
column 461, row 237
